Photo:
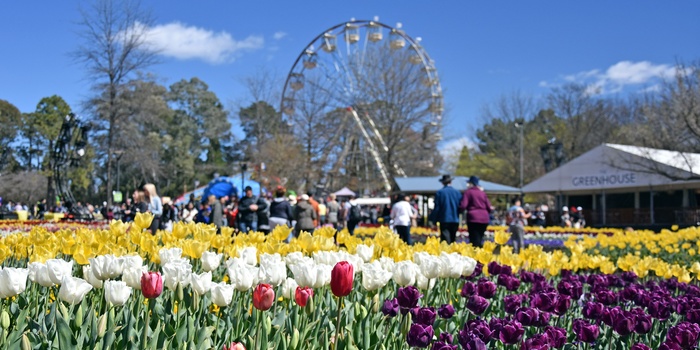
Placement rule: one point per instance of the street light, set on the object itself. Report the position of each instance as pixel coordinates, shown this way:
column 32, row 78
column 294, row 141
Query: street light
column 119, row 154
column 521, row 127
column 244, row 167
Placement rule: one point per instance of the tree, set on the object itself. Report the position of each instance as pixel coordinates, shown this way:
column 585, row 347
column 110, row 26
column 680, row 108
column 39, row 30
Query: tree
column 114, row 48
column 10, row 119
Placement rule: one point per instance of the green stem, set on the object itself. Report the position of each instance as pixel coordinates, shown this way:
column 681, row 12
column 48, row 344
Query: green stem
column 337, row 325
column 257, row 334
column 147, row 325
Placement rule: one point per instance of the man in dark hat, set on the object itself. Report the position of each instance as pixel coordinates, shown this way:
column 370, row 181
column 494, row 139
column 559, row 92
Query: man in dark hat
column 445, row 211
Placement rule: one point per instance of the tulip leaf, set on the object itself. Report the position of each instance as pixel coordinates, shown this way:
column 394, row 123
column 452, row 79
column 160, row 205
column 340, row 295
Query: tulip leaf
column 203, row 335
column 153, row 342
column 66, row 340
column 279, row 319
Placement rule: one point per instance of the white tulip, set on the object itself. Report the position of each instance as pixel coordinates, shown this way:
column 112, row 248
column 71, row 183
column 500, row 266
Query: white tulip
column 210, row 261
column 387, row 263
column 294, row 257
column 39, row 273
column 326, row 258
column 176, row 272
column 305, row 273
column 289, row 288
column 430, row 266
column 117, row 292
column 221, row 294
column 374, row 276
column 131, row 261
column 89, row 276
column 106, row 267
column 249, row 255
column 242, row 275
column 423, row 282
column 59, row 268
column 132, row 276
column 452, row 265
column 323, row 276
column 405, row 273
column 73, row 289
column 201, row 283
column 167, row 255
column 365, row 252
column 13, row 281
column 469, row 266
column 272, row 269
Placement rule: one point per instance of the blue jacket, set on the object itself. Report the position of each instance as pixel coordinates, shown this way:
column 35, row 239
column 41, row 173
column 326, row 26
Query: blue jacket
column 446, row 205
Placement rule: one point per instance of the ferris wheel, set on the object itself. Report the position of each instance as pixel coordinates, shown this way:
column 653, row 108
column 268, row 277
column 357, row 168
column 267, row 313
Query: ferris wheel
column 370, row 78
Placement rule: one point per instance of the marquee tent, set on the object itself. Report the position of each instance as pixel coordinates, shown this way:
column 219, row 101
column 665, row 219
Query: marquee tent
column 431, row 184
column 344, row 192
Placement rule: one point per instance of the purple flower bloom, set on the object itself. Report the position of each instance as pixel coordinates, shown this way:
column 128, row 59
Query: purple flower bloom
column 545, row 301
column 506, row 270
column 570, row 287
column 486, row 288
column 512, row 302
column 477, row 271
column 597, row 281
column 693, row 316
column 629, row 276
column 446, row 337
column 446, row 311
column 479, row 328
column 593, row 310
column 640, row 346
column 659, row 309
column 624, row 322
column 477, row 304
column 494, row 268
column 585, row 331
column 556, row 336
column 469, row 341
column 536, row 342
column 390, row 307
column 642, row 323
column 684, row 334
column 510, row 282
column 563, row 305
column 419, row 335
column 439, row 345
column 408, row 297
column 527, row 316
column 606, row 297
column 424, row 316
column 669, row 345
column 468, row 289
column 511, row 332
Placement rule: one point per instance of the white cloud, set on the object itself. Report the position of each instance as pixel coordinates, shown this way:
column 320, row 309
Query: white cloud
column 451, row 151
column 189, row 42
column 620, row 75
column 279, row 35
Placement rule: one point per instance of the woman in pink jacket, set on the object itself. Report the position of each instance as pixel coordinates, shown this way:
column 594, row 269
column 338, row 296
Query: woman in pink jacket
column 478, row 207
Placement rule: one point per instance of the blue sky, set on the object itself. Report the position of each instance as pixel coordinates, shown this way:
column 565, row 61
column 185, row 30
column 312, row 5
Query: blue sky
column 482, row 50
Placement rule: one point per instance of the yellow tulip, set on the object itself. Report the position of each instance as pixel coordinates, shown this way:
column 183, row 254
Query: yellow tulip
column 501, row 237
column 143, row 220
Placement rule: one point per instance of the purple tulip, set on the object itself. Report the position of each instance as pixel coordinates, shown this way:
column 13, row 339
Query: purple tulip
column 446, row 311
column 669, row 345
column 494, row 268
column 629, row 293
column 542, row 287
column 640, row 346
column 438, row 345
column 479, row 328
column 470, row 341
column 566, row 273
column 593, row 310
column 545, row 301
column 390, row 307
column 486, row 288
column 477, row 304
column 642, row 323
column 570, row 287
column 684, row 334
column 477, row 271
column 468, row 289
column 506, row 270
column 536, row 342
column 585, row 332
column 597, row 281
column 629, row 276
column 511, row 332
column 425, row 316
column 512, row 302
column 659, row 309
column 693, row 316
column 408, row 297
column 609, row 315
column 606, row 297
column 419, row 335
column 556, row 336
column 511, row 283
column 527, row 316
column 563, row 305
column 624, row 323
column 446, row 337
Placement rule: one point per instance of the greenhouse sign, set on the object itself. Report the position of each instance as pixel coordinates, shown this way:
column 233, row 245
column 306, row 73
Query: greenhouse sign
column 604, row 180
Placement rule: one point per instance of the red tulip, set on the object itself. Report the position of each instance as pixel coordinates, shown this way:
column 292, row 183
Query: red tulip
column 303, row 295
column 234, row 346
column 151, row 284
column 263, row 296
column 341, row 279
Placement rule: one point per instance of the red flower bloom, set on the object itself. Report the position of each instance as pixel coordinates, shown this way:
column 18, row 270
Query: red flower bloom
column 303, row 295
column 151, row 284
column 341, row 279
column 263, row 296
column 234, row 346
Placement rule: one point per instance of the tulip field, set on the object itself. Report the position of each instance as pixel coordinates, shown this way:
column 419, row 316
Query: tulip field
column 117, row 286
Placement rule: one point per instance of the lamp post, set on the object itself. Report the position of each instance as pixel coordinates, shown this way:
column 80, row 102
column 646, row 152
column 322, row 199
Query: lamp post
column 244, row 167
column 118, row 154
column 521, row 127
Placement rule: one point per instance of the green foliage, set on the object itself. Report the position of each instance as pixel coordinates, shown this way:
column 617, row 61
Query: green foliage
column 10, row 119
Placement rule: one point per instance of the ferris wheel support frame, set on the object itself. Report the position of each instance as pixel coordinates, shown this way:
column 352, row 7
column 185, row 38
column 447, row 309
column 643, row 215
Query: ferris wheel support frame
column 373, row 149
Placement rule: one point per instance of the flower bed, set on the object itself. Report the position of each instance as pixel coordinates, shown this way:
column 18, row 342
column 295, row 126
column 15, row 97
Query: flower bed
column 122, row 287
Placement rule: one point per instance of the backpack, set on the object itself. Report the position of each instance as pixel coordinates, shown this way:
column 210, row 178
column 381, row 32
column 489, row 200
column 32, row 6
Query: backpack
column 512, row 216
column 355, row 213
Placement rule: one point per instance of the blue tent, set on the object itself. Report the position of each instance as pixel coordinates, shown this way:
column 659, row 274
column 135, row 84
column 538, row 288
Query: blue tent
column 222, row 186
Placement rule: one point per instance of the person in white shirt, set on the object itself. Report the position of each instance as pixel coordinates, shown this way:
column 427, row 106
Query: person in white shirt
column 401, row 214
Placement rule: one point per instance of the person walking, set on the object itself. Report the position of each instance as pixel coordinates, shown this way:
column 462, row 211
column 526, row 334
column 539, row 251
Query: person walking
column 305, row 216
column 518, row 219
column 445, row 211
column 155, row 206
column 402, row 214
column 333, row 210
column 247, row 211
column 217, row 212
column 478, row 207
